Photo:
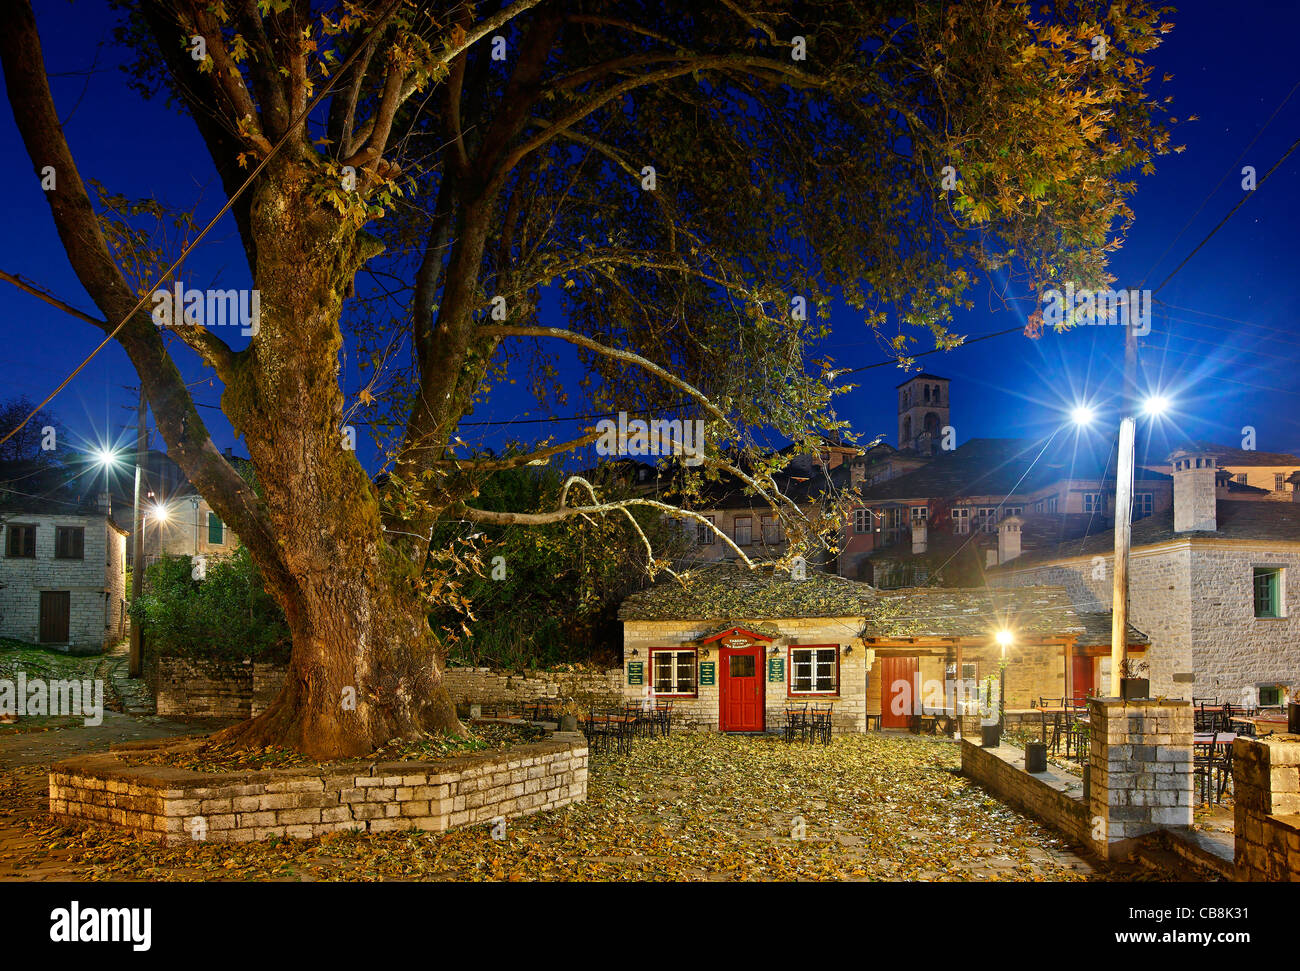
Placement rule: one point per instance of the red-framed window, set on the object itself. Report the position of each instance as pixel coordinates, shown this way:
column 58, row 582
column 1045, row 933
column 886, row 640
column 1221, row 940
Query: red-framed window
column 812, row 670
column 673, row 672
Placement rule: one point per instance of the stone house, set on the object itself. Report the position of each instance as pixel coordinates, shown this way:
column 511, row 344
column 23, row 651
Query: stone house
column 731, row 648
column 62, row 575
column 1268, row 471
column 1209, row 582
column 191, row 528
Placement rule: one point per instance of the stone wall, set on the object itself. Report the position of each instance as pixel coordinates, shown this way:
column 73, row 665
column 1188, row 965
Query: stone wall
column 485, row 686
column 1053, row 796
column 174, row 805
column 702, row 710
column 206, row 688
column 1266, row 796
column 1141, row 770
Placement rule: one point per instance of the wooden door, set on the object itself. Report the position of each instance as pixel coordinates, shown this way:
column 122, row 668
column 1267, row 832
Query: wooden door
column 1082, row 678
column 741, row 689
column 897, row 689
column 55, row 610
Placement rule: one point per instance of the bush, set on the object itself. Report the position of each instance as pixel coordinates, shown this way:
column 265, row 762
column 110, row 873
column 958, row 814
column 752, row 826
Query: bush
column 228, row 615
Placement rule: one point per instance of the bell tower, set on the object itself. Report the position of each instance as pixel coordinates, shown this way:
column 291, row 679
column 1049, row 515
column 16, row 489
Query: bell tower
column 923, row 411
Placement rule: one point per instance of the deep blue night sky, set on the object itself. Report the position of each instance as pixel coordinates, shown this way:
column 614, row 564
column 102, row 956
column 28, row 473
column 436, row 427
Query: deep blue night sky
column 1225, row 356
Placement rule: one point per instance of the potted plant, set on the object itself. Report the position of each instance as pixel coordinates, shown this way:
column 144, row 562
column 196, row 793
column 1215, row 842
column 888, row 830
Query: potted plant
column 1133, row 682
column 569, row 711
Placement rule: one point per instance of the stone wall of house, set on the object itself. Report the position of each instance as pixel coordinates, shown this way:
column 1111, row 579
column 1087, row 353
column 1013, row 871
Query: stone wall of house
column 94, row 599
column 115, row 619
column 208, row 688
column 486, row 686
column 1266, row 813
column 162, row 803
column 1160, row 605
column 1195, row 601
column 702, row 711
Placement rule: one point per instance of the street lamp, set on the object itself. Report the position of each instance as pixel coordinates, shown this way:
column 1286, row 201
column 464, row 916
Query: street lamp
column 1004, row 639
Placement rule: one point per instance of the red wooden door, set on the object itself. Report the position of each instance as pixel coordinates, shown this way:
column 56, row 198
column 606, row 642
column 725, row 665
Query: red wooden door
column 897, row 691
column 1082, row 678
column 741, row 689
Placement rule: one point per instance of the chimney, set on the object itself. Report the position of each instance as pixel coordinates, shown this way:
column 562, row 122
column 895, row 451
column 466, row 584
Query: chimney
column 920, row 537
column 1009, row 538
column 1194, row 491
column 230, row 452
column 104, row 503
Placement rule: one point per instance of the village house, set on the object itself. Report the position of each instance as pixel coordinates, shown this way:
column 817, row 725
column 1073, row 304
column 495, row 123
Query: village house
column 732, row 648
column 1269, row 472
column 1209, row 582
column 63, row 574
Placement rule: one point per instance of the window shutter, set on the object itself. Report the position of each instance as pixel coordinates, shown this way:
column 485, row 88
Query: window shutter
column 215, row 529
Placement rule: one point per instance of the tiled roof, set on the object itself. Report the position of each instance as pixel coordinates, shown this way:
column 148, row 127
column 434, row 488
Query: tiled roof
column 1230, row 455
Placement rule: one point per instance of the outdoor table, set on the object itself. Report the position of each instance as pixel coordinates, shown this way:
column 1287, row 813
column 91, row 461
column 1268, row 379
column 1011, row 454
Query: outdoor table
column 1219, row 738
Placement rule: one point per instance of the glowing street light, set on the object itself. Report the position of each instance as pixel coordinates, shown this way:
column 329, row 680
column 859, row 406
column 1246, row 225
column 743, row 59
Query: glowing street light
column 1004, row 638
column 106, row 457
column 159, row 512
column 1155, row 406
column 1083, row 416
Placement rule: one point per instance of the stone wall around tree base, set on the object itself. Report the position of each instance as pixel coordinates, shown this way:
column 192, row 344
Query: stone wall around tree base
column 209, row 688
column 174, row 806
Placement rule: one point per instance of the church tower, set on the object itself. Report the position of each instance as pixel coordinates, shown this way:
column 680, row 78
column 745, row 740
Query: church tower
column 922, row 412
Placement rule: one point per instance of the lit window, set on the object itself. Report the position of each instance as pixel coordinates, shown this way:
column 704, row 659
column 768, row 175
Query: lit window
column 813, row 670
column 1268, row 592
column 672, row 672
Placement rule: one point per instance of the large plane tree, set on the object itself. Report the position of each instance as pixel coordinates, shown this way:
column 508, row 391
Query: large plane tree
column 675, row 191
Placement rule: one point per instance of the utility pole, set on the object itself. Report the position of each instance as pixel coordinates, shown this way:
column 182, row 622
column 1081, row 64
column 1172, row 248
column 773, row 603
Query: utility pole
column 137, row 535
column 1123, row 511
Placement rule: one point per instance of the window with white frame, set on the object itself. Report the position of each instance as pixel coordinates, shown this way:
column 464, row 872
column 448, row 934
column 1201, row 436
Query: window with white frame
column 743, row 530
column 920, row 514
column 894, row 517
column 1012, row 511
column 961, row 521
column 1094, row 502
column 772, row 531
column 672, row 672
column 1279, row 482
column 1240, row 477
column 862, row 520
column 1269, row 592
column 704, row 534
column 814, row 670
column 1143, row 505
column 986, row 517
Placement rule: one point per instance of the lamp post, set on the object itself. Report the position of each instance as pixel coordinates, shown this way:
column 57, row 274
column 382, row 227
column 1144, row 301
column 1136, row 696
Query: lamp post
column 1004, row 638
column 1153, row 406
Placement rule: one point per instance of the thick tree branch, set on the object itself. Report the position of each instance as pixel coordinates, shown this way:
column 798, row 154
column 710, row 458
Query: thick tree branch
column 537, row 457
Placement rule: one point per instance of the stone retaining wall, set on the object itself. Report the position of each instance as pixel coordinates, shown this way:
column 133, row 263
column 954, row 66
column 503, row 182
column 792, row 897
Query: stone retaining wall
column 1054, row 796
column 1266, row 796
column 487, row 686
column 206, row 688
column 173, row 805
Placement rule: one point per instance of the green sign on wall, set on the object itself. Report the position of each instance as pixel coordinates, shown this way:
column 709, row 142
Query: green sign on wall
column 776, row 669
column 708, row 672
column 636, row 672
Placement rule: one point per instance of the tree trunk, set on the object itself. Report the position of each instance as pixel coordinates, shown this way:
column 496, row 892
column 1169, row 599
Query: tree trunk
column 365, row 667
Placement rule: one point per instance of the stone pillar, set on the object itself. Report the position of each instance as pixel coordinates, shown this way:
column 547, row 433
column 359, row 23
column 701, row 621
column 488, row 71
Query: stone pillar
column 1140, row 771
column 1266, row 813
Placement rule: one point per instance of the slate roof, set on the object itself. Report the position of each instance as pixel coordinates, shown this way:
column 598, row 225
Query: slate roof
column 1236, row 519
column 1029, row 612
column 924, row 374
column 728, row 592
column 1228, row 455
